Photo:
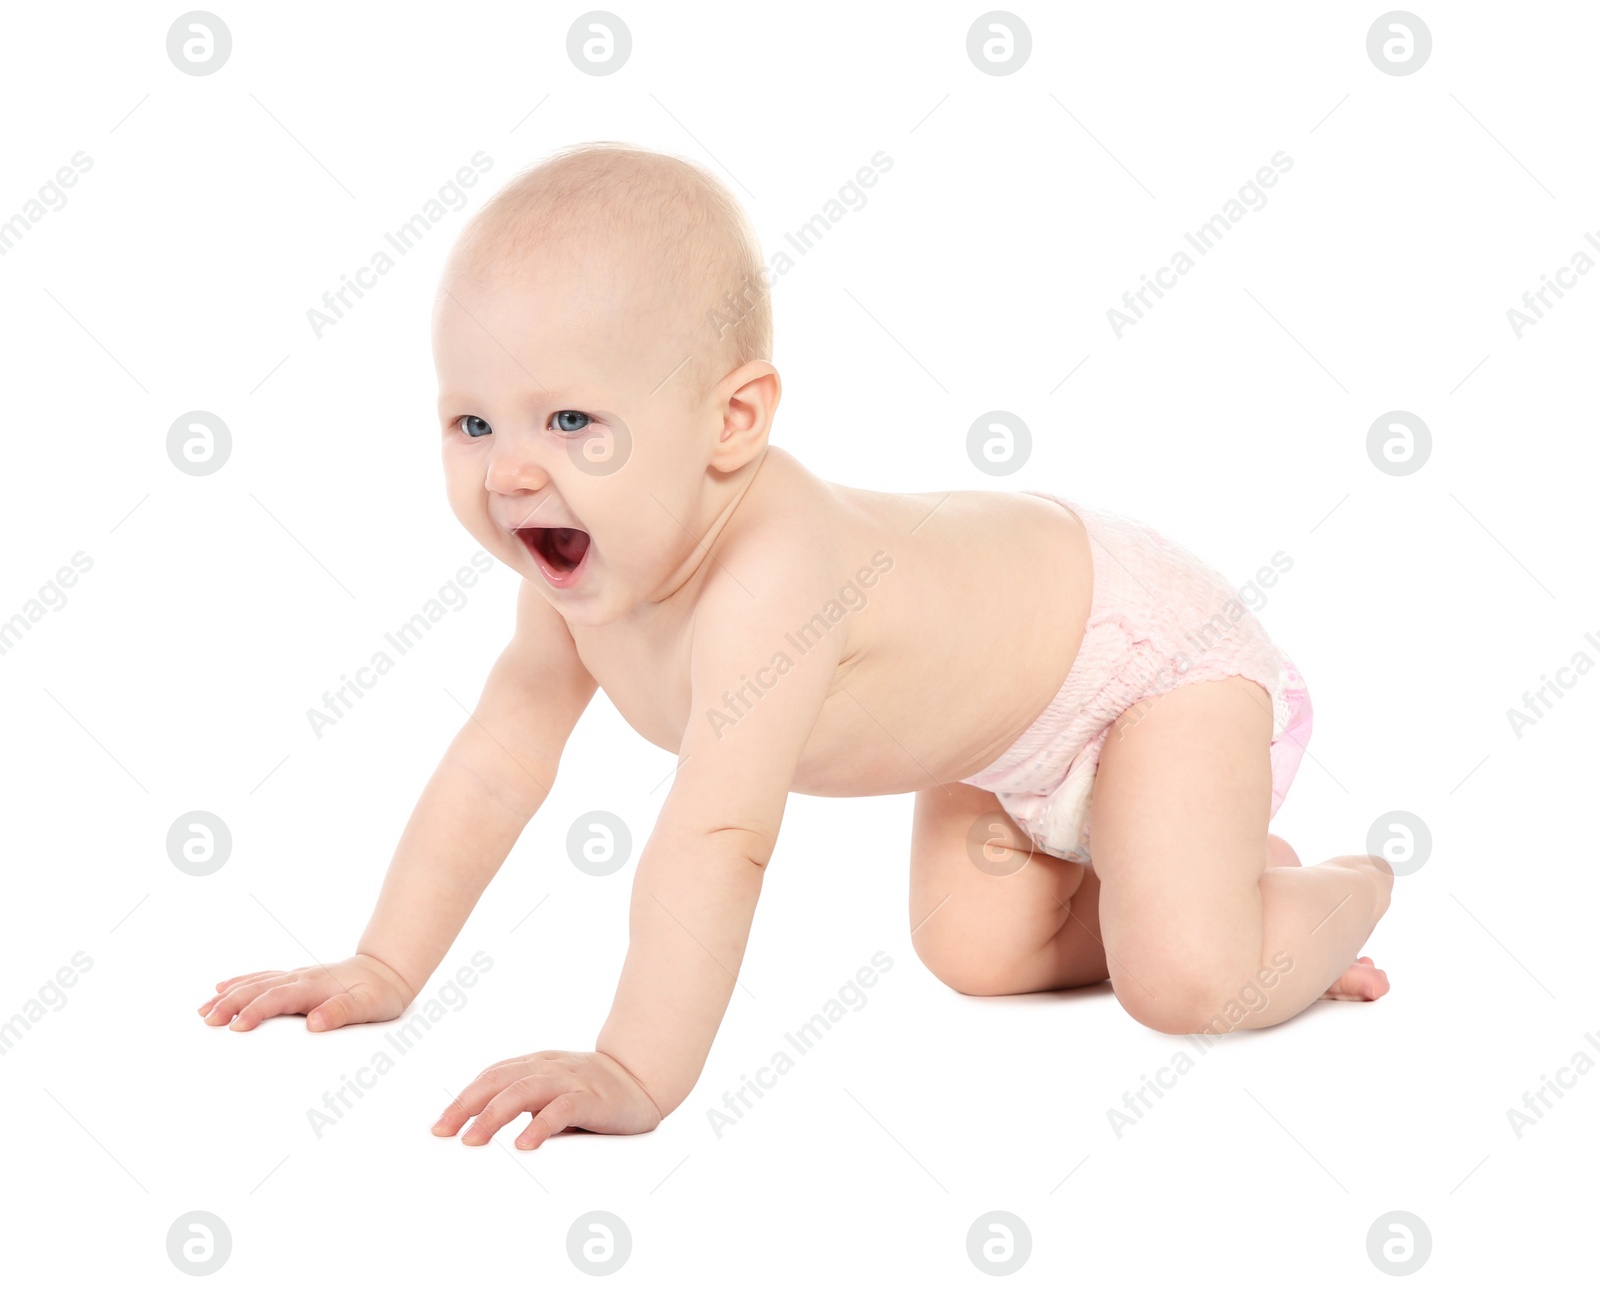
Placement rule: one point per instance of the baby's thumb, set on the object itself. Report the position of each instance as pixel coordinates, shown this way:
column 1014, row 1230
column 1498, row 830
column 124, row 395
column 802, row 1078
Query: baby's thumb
column 337, row 1011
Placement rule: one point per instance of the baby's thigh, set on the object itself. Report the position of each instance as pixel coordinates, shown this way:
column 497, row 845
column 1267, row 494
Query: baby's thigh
column 984, row 902
column 1178, row 829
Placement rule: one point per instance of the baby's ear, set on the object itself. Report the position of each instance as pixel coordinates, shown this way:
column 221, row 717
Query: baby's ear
column 748, row 399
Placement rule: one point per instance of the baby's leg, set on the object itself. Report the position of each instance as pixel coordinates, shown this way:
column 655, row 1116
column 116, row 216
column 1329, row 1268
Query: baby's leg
column 1198, row 926
column 1014, row 922
column 1362, row 982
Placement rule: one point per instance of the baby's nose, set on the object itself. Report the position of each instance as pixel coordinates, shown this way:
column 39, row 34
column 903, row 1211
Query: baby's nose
column 514, row 468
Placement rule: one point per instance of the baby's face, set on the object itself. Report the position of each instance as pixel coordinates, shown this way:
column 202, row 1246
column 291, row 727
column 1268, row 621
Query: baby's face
column 575, row 450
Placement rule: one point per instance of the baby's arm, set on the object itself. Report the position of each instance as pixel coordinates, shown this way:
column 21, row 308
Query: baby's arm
column 698, row 878
column 491, row 780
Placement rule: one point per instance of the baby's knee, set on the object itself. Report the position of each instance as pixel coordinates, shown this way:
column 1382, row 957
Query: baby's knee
column 1185, row 997
column 962, row 969
column 1380, row 876
column 1383, row 879
column 1168, row 1013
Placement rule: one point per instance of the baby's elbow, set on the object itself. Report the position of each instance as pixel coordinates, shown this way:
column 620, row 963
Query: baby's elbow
column 754, row 845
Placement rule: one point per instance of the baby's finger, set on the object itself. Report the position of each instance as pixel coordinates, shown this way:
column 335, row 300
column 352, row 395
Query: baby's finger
column 502, row 1074
column 350, row 1007
column 560, row 1113
column 290, row 998
column 449, row 1123
column 234, row 1000
column 224, row 985
column 523, row 1095
column 472, row 1099
column 476, row 1095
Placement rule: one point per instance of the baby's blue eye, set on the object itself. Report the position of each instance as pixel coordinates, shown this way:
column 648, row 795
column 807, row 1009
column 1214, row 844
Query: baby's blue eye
column 578, row 421
column 475, row 426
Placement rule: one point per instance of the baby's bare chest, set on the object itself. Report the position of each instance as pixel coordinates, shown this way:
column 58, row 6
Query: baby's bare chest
column 646, row 677
column 948, row 653
column 843, row 753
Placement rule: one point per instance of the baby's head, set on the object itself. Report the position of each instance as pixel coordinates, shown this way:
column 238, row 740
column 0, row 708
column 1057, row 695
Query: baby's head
column 603, row 341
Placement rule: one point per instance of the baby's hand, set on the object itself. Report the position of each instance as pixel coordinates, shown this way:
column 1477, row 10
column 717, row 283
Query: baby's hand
column 351, row 992
column 560, row 1089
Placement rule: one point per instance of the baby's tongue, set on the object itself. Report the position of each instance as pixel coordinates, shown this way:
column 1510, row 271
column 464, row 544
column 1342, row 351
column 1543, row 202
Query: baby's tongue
column 570, row 543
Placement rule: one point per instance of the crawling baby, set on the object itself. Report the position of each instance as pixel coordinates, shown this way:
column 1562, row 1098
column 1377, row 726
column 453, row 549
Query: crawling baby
column 1097, row 731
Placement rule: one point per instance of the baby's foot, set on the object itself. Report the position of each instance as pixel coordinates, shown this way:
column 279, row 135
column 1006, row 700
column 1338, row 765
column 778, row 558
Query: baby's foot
column 1361, row 984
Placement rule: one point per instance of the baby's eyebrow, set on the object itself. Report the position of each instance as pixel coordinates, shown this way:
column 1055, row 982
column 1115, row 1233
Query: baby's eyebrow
column 553, row 399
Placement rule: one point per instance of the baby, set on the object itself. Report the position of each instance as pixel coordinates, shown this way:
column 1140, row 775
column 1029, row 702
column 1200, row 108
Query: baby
column 603, row 343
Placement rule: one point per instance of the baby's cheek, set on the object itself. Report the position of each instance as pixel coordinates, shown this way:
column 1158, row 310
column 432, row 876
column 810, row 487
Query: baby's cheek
column 455, row 495
column 461, row 483
column 467, row 504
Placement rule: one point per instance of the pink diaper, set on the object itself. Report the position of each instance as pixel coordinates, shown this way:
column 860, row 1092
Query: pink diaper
column 1158, row 618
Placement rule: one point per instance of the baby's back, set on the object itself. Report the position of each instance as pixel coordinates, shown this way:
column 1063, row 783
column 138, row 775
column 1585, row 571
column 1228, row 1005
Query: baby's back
column 961, row 612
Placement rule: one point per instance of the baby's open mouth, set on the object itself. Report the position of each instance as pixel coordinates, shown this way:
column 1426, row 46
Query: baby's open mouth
column 559, row 551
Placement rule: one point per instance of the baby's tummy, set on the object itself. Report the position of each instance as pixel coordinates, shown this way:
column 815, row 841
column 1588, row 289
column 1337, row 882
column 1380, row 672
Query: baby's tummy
column 929, row 719
column 963, row 642
column 869, row 744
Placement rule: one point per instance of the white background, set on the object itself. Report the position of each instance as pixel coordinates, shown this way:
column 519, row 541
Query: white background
column 977, row 276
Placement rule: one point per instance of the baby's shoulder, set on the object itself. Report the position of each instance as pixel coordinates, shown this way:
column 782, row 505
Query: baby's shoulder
column 785, row 541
